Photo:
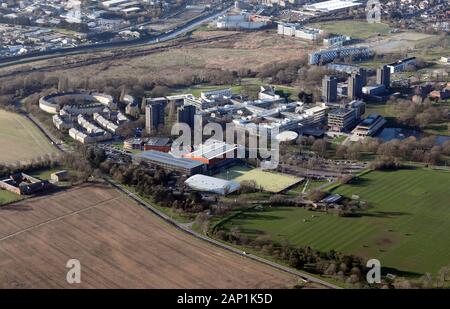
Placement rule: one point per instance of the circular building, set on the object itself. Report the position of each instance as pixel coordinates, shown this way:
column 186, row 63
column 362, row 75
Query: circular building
column 287, row 136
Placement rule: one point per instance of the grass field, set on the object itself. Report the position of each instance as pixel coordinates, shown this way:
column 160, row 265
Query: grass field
column 269, row 181
column 8, row 197
column 355, row 29
column 21, row 141
column 406, row 226
column 119, row 245
column 291, row 92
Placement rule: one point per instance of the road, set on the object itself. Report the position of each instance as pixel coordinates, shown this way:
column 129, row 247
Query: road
column 169, row 35
column 185, row 228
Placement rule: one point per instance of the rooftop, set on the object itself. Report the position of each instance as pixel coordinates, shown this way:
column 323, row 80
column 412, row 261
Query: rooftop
column 167, row 158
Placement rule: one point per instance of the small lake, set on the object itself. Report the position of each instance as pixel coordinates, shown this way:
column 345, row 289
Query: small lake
column 388, row 134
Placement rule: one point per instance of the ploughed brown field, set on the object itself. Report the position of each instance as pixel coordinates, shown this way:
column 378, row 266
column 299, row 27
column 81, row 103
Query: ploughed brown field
column 119, row 245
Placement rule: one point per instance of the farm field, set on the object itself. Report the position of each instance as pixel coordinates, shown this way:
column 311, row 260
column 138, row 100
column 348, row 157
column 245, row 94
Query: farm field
column 21, row 141
column 119, row 245
column 405, row 227
column 269, row 181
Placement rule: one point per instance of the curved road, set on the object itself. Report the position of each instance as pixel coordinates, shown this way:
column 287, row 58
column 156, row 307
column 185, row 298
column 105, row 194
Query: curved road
column 169, row 35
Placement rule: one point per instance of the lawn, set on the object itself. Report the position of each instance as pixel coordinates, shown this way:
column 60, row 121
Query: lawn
column 270, row 181
column 8, row 197
column 354, row 28
column 21, row 141
column 406, row 226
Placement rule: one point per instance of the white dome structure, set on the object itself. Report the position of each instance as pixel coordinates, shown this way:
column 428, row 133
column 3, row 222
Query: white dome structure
column 287, row 136
column 212, row 184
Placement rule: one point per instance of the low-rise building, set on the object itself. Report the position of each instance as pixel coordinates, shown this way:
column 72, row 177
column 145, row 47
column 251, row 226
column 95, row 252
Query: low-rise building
column 212, row 184
column 341, row 119
column 369, row 126
column 170, row 163
column 23, row 184
column 401, row 65
column 158, row 144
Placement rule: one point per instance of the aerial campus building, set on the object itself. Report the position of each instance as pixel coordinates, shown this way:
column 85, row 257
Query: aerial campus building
column 212, row 184
column 329, row 89
column 332, row 6
column 345, row 118
column 328, row 55
column 401, row 65
column 299, row 31
column 244, row 21
column 214, row 153
column 169, row 162
column 88, row 117
column 369, row 126
column 384, row 76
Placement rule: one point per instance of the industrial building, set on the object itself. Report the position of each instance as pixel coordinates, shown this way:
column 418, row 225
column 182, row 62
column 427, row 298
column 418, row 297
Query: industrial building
column 244, row 21
column 332, row 6
column 170, row 163
column 212, row 184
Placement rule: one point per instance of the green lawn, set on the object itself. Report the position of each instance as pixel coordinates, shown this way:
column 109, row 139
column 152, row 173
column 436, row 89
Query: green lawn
column 354, row 28
column 8, row 197
column 406, row 226
column 269, row 181
column 21, row 140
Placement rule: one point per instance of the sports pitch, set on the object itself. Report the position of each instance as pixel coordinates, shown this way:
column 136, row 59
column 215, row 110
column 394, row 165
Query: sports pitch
column 405, row 227
column 270, row 181
column 20, row 140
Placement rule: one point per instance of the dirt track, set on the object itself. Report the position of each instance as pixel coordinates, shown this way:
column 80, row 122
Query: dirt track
column 119, row 245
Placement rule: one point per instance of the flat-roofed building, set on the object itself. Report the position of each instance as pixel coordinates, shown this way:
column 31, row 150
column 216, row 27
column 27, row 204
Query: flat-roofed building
column 213, row 152
column 341, row 119
column 170, row 163
column 212, row 184
column 158, row 144
column 369, row 126
column 401, row 65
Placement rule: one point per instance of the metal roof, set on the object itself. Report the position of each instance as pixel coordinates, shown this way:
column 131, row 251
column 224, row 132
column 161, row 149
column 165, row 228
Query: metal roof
column 169, row 159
